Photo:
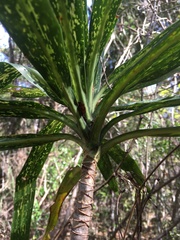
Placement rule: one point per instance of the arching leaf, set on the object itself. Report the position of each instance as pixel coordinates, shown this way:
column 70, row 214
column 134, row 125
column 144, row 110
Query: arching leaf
column 22, row 92
column 127, row 163
column 141, row 108
column 10, row 72
column 69, row 181
column 32, row 110
column 158, row 58
column 35, row 28
column 30, row 140
column 73, row 20
column 103, row 20
column 26, row 185
column 155, row 132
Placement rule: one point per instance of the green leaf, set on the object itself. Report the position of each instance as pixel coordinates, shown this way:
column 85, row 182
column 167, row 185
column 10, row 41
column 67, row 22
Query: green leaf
column 73, row 20
column 106, row 168
column 33, row 110
column 26, row 185
column 140, row 108
column 147, row 106
column 156, row 132
column 9, row 72
column 127, row 163
column 29, row 140
column 103, row 20
column 27, row 109
column 70, row 180
column 22, row 92
column 158, row 58
column 35, row 28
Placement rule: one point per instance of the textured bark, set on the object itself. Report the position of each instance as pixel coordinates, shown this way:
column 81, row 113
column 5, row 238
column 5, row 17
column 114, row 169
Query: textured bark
column 83, row 210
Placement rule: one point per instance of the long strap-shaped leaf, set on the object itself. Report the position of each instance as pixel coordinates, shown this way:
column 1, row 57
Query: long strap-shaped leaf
column 69, row 181
column 156, row 132
column 30, row 140
column 141, row 108
column 73, row 19
column 33, row 110
column 23, row 92
column 35, row 28
column 155, row 60
column 102, row 23
column 158, row 58
column 10, row 72
column 127, row 163
column 26, row 185
column 124, row 161
column 149, row 105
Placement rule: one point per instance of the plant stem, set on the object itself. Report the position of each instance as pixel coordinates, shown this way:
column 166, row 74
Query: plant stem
column 83, row 210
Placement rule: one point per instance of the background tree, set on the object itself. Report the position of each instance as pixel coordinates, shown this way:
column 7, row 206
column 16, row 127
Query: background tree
column 88, row 115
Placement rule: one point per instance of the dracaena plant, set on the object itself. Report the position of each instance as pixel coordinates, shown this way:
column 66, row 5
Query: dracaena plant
column 66, row 51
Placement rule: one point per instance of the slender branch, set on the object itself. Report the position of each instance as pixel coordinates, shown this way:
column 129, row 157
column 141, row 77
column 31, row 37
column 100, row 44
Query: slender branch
column 164, row 159
column 167, row 230
column 165, row 183
column 123, row 222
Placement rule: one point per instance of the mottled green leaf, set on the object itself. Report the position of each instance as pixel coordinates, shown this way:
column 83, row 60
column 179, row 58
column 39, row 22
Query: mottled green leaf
column 147, row 106
column 73, row 19
column 35, row 27
column 32, row 110
column 158, row 58
column 103, row 20
column 10, row 72
column 70, row 180
column 7, row 74
column 22, row 92
column 26, row 185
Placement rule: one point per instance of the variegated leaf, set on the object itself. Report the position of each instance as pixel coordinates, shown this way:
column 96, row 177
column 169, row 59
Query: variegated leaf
column 73, row 19
column 103, row 20
column 157, row 59
column 35, row 28
column 10, row 72
column 32, row 110
column 22, row 92
column 26, row 185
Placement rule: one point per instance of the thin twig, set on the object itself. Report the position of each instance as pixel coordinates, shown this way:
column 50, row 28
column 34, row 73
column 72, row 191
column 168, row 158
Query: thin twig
column 165, row 158
column 166, row 231
column 165, row 183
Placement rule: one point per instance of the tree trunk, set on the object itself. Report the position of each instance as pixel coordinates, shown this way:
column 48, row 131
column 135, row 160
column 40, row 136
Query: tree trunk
column 83, row 209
